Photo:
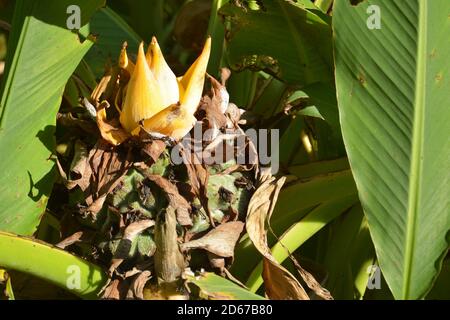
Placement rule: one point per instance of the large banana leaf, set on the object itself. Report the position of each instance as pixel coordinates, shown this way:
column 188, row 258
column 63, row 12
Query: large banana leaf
column 288, row 39
column 42, row 55
column 393, row 93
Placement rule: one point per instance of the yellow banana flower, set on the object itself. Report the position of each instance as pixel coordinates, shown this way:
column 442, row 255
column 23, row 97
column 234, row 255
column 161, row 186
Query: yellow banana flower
column 154, row 96
column 178, row 119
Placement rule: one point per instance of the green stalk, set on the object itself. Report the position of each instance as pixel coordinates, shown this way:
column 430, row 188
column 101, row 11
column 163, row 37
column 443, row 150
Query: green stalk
column 217, row 32
column 52, row 264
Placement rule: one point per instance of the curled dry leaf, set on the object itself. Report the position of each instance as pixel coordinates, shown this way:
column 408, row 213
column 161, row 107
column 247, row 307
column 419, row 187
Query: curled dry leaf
column 212, row 109
column 124, row 247
column 220, row 240
column 311, row 282
column 153, row 148
column 113, row 290
column 80, row 170
column 110, row 131
column 279, row 283
column 198, row 177
column 176, row 201
column 136, row 289
column 76, row 237
column 108, row 167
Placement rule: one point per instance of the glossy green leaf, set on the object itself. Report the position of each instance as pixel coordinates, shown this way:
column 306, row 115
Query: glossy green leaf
column 215, row 287
column 42, row 55
column 393, row 94
column 51, row 264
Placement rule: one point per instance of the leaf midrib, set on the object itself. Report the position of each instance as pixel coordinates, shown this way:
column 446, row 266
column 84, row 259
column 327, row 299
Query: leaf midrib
column 416, row 150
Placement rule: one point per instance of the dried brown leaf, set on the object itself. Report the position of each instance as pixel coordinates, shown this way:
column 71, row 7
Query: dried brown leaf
column 279, row 283
column 108, row 167
column 136, row 289
column 220, row 240
column 111, row 131
column 212, row 109
column 154, row 148
column 80, row 170
column 113, row 291
column 100, row 88
column 182, row 207
column 198, row 178
column 76, row 237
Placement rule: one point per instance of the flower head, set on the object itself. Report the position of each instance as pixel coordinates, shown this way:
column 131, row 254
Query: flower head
column 156, row 97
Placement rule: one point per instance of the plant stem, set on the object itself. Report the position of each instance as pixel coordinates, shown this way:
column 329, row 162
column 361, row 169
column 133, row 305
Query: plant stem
column 217, row 32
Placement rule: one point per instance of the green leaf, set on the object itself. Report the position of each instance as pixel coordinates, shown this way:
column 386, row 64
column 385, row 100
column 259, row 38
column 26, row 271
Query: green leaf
column 215, row 287
column 111, row 31
column 42, row 54
column 291, row 40
column 392, row 86
column 349, row 253
column 38, row 259
column 301, row 231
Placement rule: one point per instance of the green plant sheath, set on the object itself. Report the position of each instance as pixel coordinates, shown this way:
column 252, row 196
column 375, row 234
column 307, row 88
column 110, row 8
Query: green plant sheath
column 51, row 264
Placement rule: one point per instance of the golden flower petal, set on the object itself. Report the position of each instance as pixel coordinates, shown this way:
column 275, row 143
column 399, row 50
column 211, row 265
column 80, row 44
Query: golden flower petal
column 142, row 98
column 124, row 62
column 173, row 121
column 167, row 80
column 177, row 120
column 193, row 80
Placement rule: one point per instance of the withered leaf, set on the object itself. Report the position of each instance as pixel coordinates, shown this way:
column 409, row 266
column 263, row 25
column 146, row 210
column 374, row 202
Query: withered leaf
column 100, row 88
column 176, row 201
column 136, row 289
column 108, row 167
column 76, row 237
column 80, row 171
column 279, row 283
column 198, row 178
column 111, row 131
column 220, row 240
column 154, row 148
column 129, row 234
column 311, row 282
column 114, row 290
column 216, row 261
column 212, row 109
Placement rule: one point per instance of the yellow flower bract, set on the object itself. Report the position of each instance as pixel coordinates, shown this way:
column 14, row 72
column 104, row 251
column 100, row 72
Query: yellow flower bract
column 156, row 98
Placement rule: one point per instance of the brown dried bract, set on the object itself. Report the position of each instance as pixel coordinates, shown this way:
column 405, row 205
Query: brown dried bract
column 221, row 240
column 279, row 283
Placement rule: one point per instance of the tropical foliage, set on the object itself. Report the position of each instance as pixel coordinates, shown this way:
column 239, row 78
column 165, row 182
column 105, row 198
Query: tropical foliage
column 353, row 94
